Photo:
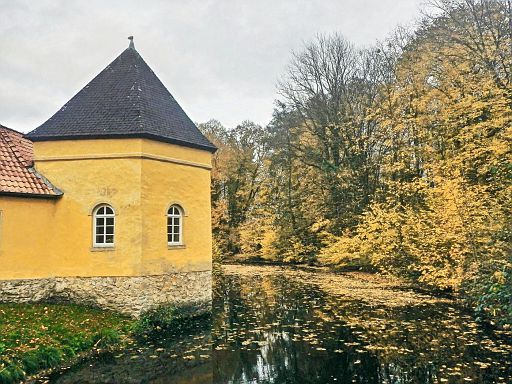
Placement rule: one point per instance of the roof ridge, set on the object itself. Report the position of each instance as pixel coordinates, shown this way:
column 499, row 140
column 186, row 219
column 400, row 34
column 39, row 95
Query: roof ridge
column 47, row 182
column 14, row 148
column 11, row 129
column 144, row 100
column 141, row 101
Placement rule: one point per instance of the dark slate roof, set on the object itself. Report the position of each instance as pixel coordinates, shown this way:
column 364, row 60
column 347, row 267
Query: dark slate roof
column 18, row 177
column 125, row 100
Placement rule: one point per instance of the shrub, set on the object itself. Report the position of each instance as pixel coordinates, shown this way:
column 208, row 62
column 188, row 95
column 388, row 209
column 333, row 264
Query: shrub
column 345, row 252
column 106, row 338
column 10, row 374
column 493, row 296
column 173, row 319
column 42, row 358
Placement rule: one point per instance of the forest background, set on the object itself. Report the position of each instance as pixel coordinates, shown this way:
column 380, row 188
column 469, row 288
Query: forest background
column 395, row 158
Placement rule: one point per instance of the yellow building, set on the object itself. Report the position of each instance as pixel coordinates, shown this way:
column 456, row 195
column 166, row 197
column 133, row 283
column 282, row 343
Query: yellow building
column 108, row 202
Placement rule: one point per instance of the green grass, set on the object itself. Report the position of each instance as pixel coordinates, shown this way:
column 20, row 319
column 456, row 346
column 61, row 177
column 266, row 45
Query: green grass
column 39, row 336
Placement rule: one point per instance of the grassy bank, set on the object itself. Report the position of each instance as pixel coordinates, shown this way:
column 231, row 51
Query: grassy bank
column 34, row 337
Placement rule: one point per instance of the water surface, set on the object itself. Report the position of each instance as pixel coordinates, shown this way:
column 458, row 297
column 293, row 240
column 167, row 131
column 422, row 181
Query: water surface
column 278, row 325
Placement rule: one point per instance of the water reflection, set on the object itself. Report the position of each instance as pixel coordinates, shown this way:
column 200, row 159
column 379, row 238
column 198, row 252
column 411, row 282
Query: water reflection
column 278, row 326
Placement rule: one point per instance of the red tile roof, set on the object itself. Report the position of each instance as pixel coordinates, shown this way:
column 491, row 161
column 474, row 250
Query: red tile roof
column 17, row 174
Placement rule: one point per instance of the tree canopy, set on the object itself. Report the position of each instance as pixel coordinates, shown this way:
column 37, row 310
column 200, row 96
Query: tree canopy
column 396, row 157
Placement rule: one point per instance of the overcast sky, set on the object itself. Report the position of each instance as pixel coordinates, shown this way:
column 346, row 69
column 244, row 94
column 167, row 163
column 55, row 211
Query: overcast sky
column 220, row 59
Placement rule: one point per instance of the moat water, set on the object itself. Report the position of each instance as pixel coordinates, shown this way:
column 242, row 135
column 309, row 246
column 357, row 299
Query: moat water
column 277, row 325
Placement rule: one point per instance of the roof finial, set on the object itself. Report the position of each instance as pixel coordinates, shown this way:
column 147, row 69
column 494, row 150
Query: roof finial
column 132, row 46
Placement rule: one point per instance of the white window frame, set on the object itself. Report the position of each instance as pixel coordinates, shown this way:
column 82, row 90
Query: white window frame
column 105, row 216
column 173, row 216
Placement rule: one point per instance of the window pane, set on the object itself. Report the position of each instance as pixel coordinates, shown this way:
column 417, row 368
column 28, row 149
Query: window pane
column 174, row 224
column 104, row 225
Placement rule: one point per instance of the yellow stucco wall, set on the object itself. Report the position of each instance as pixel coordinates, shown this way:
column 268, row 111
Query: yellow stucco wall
column 22, row 222
column 140, row 178
column 164, row 184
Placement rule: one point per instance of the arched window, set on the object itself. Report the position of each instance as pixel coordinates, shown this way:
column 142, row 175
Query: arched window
column 175, row 225
column 104, row 226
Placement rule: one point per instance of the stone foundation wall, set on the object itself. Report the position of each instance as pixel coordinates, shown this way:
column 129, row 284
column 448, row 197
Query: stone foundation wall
column 130, row 295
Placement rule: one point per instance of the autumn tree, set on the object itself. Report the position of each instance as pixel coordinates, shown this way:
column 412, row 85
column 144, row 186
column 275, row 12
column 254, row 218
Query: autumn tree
column 236, row 179
column 397, row 157
column 328, row 88
column 442, row 216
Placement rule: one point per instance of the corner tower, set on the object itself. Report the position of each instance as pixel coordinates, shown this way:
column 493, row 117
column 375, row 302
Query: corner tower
column 135, row 175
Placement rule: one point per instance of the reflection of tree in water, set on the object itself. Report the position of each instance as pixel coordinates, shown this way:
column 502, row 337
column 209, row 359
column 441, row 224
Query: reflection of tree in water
column 274, row 329
column 273, row 325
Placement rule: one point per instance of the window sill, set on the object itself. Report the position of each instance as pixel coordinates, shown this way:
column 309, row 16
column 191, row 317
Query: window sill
column 103, row 249
column 176, row 246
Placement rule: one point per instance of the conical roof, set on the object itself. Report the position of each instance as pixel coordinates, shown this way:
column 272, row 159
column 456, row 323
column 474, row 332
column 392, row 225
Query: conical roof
column 126, row 99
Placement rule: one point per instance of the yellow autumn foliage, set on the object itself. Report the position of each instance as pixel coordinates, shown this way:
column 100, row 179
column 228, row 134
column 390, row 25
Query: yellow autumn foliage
column 444, row 215
column 258, row 238
column 396, row 157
